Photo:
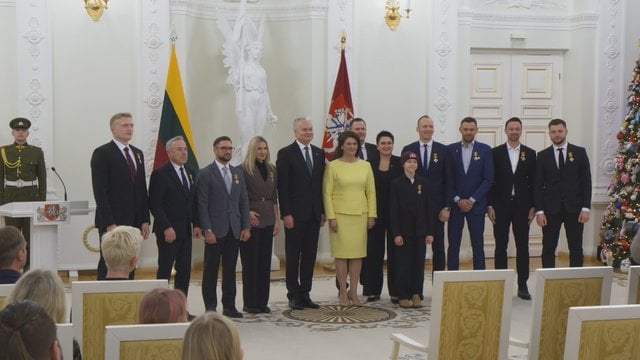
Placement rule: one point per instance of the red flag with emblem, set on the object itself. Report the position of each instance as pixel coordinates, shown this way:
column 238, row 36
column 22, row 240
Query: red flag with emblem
column 340, row 110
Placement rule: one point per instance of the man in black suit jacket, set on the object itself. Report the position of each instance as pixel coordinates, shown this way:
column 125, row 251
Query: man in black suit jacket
column 562, row 194
column 511, row 200
column 367, row 150
column 300, row 171
column 119, row 184
column 171, row 200
column 439, row 180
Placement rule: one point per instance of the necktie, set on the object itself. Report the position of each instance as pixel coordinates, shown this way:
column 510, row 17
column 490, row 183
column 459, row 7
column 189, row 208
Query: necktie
column 307, row 159
column 132, row 167
column 227, row 178
column 185, row 183
column 560, row 160
column 425, row 159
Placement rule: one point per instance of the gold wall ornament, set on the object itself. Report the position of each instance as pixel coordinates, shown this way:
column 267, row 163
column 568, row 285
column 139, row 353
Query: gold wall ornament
column 392, row 14
column 95, row 8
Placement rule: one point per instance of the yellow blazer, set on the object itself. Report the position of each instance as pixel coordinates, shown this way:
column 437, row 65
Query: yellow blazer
column 349, row 188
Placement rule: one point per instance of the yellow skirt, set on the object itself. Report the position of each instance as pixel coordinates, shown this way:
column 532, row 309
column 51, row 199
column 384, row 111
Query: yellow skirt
column 350, row 241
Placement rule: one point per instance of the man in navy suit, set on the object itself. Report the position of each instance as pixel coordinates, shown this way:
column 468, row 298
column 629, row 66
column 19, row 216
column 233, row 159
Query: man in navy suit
column 300, row 171
column 433, row 164
column 562, row 194
column 171, row 200
column 472, row 165
column 223, row 207
column 119, row 184
column 367, row 151
column 511, row 200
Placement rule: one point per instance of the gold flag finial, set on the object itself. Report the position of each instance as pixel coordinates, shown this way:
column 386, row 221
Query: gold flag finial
column 343, row 41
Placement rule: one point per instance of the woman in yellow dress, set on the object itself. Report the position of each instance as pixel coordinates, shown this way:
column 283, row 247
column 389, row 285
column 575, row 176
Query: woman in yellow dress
column 350, row 207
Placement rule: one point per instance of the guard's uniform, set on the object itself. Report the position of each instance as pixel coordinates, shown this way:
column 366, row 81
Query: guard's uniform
column 23, row 176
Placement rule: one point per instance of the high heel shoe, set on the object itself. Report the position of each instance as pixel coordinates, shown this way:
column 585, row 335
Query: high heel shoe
column 354, row 298
column 343, row 298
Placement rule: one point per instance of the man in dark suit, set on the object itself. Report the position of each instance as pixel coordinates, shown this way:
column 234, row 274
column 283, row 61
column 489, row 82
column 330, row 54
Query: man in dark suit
column 367, row 150
column 472, row 166
column 433, row 164
column 119, row 184
column 511, row 200
column 562, row 194
column 13, row 254
column 171, row 200
column 223, row 206
column 300, row 171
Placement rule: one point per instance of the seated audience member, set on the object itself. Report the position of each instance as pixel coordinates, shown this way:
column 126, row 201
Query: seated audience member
column 163, row 306
column 212, row 336
column 43, row 287
column 13, row 254
column 120, row 249
column 28, row 332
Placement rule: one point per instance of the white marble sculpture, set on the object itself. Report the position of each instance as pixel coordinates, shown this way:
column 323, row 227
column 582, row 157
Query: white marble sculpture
column 242, row 51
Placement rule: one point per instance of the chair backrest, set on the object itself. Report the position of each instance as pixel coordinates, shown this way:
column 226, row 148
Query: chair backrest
column 634, row 289
column 65, row 338
column 603, row 332
column 148, row 341
column 471, row 314
column 5, row 290
column 100, row 303
column 556, row 291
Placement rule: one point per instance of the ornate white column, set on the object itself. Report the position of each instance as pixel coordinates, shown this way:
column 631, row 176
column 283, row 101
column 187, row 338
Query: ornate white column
column 611, row 92
column 35, row 74
column 443, row 66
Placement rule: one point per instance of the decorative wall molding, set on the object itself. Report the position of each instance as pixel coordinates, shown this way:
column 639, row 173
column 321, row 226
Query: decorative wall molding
column 529, row 4
column 35, row 74
column 154, row 59
column 340, row 18
column 443, row 66
column 611, row 85
column 9, row 3
column 528, row 22
column 205, row 9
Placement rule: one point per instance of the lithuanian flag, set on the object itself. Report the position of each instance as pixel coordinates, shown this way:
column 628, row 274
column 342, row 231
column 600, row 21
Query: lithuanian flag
column 174, row 120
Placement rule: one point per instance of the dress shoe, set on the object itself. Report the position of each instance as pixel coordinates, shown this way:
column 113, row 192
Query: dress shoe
column 394, row 300
column 232, row 313
column 524, row 295
column 417, row 302
column 251, row 310
column 405, row 303
column 265, row 310
column 296, row 305
column 311, row 305
column 372, row 298
column 190, row 317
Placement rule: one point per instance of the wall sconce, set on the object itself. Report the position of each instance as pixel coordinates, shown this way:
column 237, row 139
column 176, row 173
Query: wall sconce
column 392, row 15
column 95, row 8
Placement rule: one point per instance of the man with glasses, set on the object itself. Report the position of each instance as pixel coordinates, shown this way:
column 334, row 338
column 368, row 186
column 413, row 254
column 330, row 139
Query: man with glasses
column 223, row 207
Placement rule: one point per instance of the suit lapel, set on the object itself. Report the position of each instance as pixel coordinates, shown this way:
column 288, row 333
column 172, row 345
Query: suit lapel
column 174, row 176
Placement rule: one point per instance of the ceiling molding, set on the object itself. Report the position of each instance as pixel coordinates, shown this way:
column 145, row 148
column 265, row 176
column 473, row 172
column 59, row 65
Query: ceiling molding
column 310, row 10
column 8, row 3
column 528, row 22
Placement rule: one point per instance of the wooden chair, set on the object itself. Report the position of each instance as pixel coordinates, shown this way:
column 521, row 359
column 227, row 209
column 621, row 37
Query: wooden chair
column 148, row 341
column 634, row 289
column 470, row 316
column 97, row 304
column 556, row 291
column 65, row 338
column 603, row 332
column 5, row 290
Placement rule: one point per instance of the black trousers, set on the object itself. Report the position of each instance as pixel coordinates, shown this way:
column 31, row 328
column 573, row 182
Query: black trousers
column 550, row 233
column 102, row 265
column 437, row 246
column 301, row 249
column 255, row 254
column 178, row 252
column 374, row 270
column 226, row 248
column 24, row 225
column 517, row 218
column 410, row 266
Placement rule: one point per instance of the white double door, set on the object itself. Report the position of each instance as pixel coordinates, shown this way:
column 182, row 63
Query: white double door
column 506, row 84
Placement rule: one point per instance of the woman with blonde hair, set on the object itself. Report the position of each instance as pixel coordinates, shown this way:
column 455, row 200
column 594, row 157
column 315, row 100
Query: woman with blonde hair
column 43, row 287
column 261, row 179
column 212, row 336
column 160, row 306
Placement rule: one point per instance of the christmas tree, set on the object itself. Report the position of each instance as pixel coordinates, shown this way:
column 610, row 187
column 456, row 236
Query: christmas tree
column 624, row 189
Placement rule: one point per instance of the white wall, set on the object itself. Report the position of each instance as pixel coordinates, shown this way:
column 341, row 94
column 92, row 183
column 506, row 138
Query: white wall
column 8, row 73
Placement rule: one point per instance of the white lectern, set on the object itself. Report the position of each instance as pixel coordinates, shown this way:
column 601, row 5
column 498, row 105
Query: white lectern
column 45, row 218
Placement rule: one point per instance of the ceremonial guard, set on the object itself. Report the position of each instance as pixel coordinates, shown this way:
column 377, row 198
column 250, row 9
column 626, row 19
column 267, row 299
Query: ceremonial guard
column 23, row 173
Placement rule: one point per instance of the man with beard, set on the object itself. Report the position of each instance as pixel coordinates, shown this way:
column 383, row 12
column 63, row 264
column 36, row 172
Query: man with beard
column 562, row 194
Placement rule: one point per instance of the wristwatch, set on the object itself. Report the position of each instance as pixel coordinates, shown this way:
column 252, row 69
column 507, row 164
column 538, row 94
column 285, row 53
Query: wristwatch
column 206, row 231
